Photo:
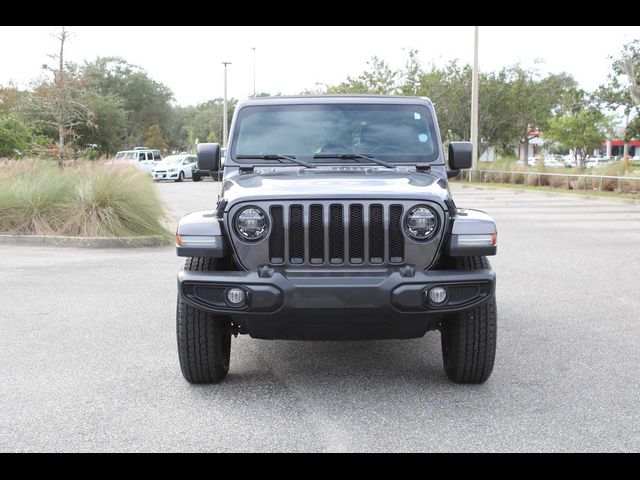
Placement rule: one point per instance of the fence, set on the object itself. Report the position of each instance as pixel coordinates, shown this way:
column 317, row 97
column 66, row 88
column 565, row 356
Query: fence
column 570, row 181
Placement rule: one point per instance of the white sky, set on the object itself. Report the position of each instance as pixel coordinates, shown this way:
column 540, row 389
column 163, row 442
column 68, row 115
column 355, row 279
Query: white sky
column 290, row 59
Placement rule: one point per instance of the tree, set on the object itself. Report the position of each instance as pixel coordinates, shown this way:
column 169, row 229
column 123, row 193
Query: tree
column 15, row 136
column 10, row 99
column 582, row 130
column 622, row 90
column 154, row 138
column 532, row 100
column 109, row 122
column 496, row 123
column 379, row 79
column 145, row 101
column 629, row 64
column 58, row 102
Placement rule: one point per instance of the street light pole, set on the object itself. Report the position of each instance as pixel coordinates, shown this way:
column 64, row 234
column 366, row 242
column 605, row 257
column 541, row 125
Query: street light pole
column 254, row 70
column 224, row 112
column 474, row 104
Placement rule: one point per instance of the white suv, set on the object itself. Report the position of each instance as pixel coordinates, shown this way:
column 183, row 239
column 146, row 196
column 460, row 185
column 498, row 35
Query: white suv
column 140, row 157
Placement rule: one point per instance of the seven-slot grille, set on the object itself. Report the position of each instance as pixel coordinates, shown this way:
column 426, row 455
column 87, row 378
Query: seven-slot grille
column 336, row 234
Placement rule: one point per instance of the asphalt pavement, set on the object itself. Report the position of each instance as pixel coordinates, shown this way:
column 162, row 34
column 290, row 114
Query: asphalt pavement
column 89, row 359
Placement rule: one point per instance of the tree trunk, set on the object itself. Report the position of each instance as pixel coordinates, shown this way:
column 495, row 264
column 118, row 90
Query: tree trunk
column 61, row 146
column 526, row 150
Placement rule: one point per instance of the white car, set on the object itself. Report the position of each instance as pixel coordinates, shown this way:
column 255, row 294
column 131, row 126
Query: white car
column 553, row 163
column 597, row 162
column 174, row 167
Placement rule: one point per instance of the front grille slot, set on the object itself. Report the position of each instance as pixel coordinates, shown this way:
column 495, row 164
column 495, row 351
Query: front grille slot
column 296, row 235
column 376, row 234
column 276, row 240
column 396, row 239
column 356, row 235
column 316, row 235
column 334, row 234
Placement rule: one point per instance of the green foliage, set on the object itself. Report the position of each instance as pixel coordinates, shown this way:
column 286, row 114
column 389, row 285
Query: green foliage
column 153, row 138
column 38, row 199
column 10, row 100
column 622, row 90
column 379, row 79
column 512, row 102
column 582, row 131
column 109, row 123
column 202, row 122
column 15, row 137
column 145, row 101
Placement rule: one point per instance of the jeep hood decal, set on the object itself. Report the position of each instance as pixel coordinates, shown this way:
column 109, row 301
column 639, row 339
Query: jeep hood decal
column 334, row 184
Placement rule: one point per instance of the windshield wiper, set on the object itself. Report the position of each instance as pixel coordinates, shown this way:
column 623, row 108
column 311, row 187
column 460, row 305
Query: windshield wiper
column 276, row 157
column 354, row 156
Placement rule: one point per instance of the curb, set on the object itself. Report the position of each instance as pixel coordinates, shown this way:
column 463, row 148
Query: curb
column 85, row 242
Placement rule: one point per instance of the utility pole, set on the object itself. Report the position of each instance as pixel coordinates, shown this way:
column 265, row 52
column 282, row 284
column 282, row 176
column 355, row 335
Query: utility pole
column 254, row 70
column 224, row 111
column 474, row 104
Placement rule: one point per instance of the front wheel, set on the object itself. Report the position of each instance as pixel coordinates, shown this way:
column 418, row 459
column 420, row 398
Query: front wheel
column 204, row 339
column 196, row 177
column 469, row 337
column 180, row 177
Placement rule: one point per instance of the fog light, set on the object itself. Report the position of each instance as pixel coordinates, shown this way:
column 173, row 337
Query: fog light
column 236, row 296
column 437, row 295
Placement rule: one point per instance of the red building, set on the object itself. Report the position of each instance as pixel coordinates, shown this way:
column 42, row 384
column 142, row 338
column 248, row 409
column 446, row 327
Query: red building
column 617, row 148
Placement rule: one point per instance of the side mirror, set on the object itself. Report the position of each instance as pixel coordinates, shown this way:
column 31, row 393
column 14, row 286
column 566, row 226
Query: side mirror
column 460, row 155
column 208, row 156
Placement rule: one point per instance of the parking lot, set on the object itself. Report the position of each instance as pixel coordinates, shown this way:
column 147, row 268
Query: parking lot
column 89, row 358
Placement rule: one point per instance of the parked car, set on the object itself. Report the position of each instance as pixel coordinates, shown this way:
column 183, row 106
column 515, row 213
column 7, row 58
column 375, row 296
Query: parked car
column 176, row 168
column 140, row 157
column 553, row 163
column 597, row 162
column 531, row 161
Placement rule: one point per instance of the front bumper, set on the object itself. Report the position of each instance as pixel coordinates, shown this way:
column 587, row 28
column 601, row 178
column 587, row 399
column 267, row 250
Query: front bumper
column 279, row 302
column 164, row 175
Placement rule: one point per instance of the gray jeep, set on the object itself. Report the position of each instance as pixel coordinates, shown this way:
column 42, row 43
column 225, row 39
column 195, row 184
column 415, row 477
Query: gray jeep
column 335, row 222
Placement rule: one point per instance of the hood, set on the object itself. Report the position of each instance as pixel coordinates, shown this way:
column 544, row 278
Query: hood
column 337, row 183
column 162, row 164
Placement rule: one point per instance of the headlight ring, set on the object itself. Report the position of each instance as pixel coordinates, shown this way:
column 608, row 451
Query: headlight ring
column 251, row 223
column 421, row 223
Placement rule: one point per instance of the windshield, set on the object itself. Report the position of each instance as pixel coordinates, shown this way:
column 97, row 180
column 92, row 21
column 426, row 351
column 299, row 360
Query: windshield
column 126, row 156
column 391, row 132
column 173, row 159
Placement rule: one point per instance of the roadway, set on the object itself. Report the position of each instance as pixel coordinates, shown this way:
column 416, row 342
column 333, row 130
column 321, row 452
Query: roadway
column 89, row 358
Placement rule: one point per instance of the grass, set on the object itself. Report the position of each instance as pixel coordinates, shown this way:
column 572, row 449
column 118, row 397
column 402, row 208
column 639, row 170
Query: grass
column 597, row 193
column 88, row 200
column 625, row 188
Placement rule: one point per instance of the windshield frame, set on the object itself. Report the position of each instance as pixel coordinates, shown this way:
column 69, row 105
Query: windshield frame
column 435, row 158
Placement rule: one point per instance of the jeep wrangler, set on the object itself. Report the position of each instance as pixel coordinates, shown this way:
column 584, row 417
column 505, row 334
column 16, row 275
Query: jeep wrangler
column 334, row 221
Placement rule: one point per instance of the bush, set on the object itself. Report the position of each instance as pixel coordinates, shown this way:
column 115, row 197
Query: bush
column 15, row 137
column 88, row 200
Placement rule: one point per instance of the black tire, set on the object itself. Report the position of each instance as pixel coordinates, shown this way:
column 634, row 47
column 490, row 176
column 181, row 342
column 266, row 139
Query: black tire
column 196, row 178
column 469, row 337
column 180, row 176
column 204, row 339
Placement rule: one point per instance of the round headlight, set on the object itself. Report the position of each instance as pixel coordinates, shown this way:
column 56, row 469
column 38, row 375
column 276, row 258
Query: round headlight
column 421, row 222
column 251, row 223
